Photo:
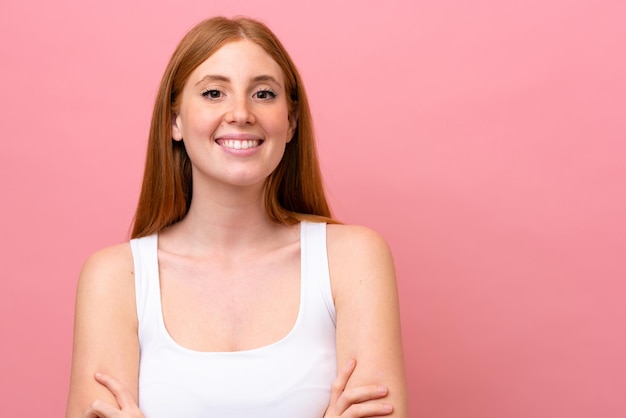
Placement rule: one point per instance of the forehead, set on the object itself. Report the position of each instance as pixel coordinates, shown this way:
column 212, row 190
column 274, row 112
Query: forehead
column 239, row 60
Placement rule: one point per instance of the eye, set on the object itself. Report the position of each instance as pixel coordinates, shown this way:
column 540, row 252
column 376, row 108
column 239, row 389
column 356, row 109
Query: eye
column 265, row 94
column 212, row 94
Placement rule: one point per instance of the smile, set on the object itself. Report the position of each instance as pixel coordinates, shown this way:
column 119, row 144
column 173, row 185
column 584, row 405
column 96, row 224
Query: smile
column 238, row 144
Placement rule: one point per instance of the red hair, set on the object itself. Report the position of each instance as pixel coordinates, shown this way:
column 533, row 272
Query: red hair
column 293, row 192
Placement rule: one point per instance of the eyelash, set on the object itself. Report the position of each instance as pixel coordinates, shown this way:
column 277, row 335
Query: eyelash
column 208, row 93
column 270, row 92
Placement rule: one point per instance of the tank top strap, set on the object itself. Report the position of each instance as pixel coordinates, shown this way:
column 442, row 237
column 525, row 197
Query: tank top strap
column 316, row 275
column 147, row 292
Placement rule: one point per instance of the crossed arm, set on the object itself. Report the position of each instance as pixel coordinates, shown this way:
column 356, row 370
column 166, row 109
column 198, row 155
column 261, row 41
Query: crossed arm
column 370, row 383
column 343, row 403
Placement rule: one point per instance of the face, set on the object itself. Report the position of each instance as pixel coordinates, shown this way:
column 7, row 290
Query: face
column 234, row 117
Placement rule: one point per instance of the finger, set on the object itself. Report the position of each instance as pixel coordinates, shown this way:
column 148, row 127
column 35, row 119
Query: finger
column 341, row 381
column 362, row 410
column 100, row 409
column 123, row 396
column 358, row 395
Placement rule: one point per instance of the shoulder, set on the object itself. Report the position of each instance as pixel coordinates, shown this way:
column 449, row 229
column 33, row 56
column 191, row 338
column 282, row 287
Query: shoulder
column 358, row 256
column 109, row 265
column 107, row 277
column 349, row 243
column 355, row 238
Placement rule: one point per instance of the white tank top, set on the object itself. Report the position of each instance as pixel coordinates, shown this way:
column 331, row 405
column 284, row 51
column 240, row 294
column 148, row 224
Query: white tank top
column 290, row 378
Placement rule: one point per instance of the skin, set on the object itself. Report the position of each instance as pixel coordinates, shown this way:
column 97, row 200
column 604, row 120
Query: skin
column 226, row 235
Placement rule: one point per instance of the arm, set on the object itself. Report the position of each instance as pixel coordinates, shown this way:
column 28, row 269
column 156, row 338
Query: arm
column 105, row 330
column 353, row 403
column 368, row 320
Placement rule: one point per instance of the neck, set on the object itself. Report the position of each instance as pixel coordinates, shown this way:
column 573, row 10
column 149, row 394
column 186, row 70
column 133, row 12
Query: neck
column 223, row 220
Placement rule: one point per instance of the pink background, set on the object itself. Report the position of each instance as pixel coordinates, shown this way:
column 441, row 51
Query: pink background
column 486, row 140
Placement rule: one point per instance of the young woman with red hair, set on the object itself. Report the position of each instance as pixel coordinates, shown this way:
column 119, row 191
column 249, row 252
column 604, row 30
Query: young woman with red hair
column 238, row 294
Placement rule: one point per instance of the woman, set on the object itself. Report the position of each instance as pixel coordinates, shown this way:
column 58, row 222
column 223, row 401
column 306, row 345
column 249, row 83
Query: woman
column 235, row 298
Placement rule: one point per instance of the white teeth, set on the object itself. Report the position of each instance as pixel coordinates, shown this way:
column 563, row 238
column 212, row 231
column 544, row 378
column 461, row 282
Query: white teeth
column 234, row 144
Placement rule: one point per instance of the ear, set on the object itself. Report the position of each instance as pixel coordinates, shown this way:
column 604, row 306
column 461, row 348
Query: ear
column 293, row 121
column 177, row 133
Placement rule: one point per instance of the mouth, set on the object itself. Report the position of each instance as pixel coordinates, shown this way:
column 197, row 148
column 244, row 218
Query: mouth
column 238, row 143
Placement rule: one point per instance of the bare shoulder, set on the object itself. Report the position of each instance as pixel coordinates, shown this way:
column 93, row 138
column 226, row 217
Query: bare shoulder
column 355, row 235
column 108, row 266
column 358, row 253
column 106, row 290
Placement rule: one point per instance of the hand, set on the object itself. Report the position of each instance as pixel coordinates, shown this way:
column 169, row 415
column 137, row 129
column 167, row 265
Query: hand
column 127, row 406
column 350, row 403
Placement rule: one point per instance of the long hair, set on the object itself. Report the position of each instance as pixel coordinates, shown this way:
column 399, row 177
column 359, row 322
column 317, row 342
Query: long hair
column 293, row 192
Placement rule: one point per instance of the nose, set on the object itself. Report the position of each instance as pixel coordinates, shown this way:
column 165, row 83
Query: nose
column 239, row 112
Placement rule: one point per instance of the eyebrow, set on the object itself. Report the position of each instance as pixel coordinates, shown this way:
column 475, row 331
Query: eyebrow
column 215, row 77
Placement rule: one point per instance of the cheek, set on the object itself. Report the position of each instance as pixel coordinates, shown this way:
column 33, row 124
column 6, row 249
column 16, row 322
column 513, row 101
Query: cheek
column 202, row 122
column 279, row 124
